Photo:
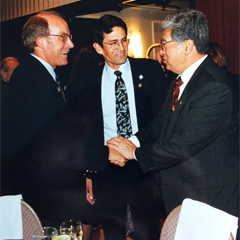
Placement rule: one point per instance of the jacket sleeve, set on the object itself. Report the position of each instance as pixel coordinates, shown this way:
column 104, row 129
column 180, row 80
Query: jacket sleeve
column 203, row 118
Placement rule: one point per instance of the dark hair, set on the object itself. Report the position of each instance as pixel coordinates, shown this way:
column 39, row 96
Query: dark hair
column 105, row 24
column 36, row 25
column 86, row 59
column 189, row 24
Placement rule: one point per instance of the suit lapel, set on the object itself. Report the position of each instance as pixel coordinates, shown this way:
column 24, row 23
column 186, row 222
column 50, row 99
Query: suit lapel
column 138, row 85
column 193, row 85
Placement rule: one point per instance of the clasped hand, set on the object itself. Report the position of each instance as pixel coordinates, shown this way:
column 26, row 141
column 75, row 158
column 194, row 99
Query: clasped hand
column 120, row 150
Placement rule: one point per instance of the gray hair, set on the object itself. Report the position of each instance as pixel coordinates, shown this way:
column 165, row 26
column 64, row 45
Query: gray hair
column 36, row 25
column 188, row 24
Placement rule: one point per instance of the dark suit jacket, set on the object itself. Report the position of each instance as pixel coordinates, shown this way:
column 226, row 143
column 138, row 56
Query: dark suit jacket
column 44, row 148
column 85, row 97
column 192, row 147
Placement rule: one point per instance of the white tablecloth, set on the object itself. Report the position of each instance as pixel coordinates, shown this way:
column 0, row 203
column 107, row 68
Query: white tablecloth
column 200, row 221
column 11, row 217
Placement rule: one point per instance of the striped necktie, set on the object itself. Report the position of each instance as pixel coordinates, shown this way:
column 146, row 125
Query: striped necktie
column 175, row 95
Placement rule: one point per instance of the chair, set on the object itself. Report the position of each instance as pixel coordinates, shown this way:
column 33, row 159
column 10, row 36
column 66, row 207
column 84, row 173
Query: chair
column 170, row 225
column 30, row 220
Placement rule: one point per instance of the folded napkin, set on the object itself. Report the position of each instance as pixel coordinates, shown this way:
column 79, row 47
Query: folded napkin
column 200, row 221
column 11, row 217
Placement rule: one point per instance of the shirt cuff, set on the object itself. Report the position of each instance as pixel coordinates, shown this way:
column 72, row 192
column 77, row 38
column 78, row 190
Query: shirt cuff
column 134, row 155
column 135, row 141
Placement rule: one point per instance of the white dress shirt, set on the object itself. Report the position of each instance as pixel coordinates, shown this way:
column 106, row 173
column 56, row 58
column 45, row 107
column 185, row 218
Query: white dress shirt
column 187, row 74
column 108, row 99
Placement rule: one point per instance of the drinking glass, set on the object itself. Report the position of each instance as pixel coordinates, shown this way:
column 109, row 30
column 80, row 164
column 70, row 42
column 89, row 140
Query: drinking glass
column 45, row 233
column 73, row 228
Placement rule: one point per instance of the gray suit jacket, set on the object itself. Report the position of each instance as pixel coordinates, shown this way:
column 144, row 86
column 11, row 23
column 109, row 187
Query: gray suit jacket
column 192, row 147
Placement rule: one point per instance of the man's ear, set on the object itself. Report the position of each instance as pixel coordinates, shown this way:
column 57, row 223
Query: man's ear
column 98, row 48
column 40, row 42
column 189, row 45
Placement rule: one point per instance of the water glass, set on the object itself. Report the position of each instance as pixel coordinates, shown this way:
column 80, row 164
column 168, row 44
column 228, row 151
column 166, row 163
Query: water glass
column 45, row 233
column 73, row 228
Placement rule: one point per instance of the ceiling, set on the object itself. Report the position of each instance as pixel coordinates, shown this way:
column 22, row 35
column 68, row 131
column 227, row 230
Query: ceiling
column 95, row 6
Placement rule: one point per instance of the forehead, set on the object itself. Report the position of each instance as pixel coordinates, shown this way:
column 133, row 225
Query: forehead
column 116, row 34
column 167, row 34
column 12, row 63
column 57, row 24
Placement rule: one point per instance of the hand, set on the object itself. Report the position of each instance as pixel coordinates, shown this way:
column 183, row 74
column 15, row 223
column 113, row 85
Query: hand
column 116, row 158
column 89, row 191
column 124, row 146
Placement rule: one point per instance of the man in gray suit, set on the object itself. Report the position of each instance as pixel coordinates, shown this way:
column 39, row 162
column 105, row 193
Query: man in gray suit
column 192, row 146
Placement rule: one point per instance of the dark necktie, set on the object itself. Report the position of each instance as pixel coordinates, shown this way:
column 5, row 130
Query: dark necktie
column 60, row 89
column 175, row 95
column 124, row 126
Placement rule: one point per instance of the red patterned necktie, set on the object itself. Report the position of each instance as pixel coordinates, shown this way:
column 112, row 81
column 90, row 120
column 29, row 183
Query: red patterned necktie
column 179, row 82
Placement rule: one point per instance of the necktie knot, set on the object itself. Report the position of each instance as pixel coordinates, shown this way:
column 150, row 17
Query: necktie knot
column 118, row 74
column 179, row 81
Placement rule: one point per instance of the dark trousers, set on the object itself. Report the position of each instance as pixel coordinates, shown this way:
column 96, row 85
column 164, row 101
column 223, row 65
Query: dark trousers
column 120, row 187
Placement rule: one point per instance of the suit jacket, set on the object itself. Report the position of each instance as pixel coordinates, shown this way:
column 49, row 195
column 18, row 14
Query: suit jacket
column 192, row 147
column 44, row 149
column 85, row 98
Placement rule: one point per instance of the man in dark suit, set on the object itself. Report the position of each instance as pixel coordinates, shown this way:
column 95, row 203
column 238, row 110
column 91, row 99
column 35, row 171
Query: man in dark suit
column 146, row 89
column 8, row 65
column 192, row 146
column 44, row 152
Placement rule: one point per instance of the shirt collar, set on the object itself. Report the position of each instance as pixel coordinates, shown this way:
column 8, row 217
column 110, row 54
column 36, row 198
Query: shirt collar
column 187, row 74
column 46, row 65
column 124, row 68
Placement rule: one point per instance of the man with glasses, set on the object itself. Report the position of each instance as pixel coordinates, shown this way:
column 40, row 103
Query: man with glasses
column 42, row 167
column 124, row 193
column 192, row 145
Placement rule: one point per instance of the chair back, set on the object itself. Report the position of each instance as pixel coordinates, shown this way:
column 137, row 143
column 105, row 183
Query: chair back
column 30, row 220
column 170, row 224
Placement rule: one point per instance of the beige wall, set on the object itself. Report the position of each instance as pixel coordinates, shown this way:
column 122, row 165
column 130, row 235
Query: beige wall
column 11, row 9
column 142, row 19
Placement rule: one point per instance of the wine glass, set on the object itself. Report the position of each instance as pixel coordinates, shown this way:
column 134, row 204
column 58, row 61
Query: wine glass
column 45, row 233
column 72, row 228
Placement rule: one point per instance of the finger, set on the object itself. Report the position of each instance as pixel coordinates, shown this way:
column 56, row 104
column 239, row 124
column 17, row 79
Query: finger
column 90, row 199
column 115, row 140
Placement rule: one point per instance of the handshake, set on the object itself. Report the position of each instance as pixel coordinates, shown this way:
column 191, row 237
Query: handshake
column 120, row 151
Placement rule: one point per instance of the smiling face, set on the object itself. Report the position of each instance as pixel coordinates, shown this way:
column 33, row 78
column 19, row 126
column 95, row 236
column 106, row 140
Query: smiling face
column 114, row 57
column 53, row 49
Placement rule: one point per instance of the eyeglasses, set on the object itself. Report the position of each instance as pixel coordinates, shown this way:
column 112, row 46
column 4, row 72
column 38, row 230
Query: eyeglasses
column 63, row 36
column 116, row 43
column 163, row 43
